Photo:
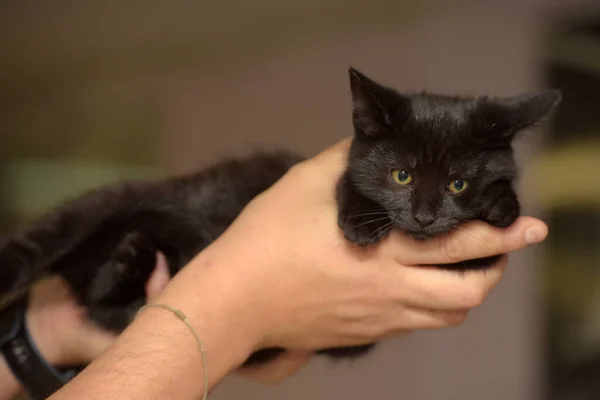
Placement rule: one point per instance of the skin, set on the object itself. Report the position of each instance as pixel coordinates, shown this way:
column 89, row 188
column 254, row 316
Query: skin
column 60, row 329
column 284, row 276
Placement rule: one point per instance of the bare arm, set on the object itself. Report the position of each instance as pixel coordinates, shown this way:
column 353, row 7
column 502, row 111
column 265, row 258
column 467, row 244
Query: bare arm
column 157, row 356
column 9, row 387
column 61, row 330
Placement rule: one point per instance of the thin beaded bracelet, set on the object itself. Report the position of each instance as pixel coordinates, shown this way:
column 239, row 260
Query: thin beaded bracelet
column 182, row 317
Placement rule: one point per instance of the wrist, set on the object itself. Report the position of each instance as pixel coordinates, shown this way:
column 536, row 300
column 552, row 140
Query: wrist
column 22, row 361
column 156, row 350
column 159, row 345
column 44, row 338
column 215, row 298
column 9, row 385
column 59, row 326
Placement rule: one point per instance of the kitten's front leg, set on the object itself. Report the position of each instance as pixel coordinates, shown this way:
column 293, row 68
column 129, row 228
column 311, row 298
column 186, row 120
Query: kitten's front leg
column 500, row 206
column 118, row 288
column 363, row 221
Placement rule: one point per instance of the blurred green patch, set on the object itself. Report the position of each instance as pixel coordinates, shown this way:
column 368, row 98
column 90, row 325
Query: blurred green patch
column 32, row 187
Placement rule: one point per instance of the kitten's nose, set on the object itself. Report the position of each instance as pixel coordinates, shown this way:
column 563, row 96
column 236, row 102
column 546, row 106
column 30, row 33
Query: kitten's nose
column 424, row 219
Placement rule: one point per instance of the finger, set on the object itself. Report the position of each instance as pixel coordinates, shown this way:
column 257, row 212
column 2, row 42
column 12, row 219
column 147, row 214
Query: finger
column 471, row 241
column 436, row 289
column 159, row 279
column 426, row 319
column 285, row 365
column 322, row 170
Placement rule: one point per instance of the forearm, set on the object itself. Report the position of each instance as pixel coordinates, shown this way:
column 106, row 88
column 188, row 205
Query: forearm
column 157, row 356
column 9, row 386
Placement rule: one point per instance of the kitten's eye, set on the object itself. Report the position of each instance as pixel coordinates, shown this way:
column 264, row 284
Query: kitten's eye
column 401, row 177
column 457, row 186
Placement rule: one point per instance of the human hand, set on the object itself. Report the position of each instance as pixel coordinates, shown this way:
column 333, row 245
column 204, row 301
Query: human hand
column 305, row 287
column 60, row 328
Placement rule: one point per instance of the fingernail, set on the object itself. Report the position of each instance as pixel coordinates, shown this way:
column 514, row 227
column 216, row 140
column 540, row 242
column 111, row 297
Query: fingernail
column 535, row 235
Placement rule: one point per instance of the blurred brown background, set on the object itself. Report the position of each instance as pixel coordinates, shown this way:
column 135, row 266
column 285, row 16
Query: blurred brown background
column 96, row 91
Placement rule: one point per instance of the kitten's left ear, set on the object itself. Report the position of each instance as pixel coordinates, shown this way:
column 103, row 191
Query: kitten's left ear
column 508, row 116
column 375, row 107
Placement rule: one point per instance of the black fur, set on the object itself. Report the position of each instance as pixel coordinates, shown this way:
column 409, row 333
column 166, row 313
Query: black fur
column 104, row 243
column 437, row 139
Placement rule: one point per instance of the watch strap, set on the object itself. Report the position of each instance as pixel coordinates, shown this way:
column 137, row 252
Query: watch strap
column 38, row 377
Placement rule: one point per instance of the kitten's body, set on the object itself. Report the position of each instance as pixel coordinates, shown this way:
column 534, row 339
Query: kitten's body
column 104, row 243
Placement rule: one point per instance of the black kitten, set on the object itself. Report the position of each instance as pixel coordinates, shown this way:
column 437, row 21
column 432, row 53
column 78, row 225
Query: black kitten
column 424, row 163
column 421, row 163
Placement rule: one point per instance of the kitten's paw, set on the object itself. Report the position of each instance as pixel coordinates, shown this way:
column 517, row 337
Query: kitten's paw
column 135, row 250
column 504, row 206
column 502, row 218
column 364, row 230
column 122, row 279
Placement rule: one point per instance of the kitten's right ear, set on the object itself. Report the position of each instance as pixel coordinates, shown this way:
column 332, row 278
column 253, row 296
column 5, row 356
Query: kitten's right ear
column 530, row 108
column 509, row 116
column 369, row 100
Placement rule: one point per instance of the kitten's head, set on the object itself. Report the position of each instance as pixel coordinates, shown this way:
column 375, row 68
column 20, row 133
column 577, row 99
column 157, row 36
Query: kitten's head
column 427, row 159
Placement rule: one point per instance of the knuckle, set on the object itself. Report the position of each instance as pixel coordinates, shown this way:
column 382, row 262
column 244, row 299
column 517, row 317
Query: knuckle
column 454, row 249
column 491, row 247
column 366, row 332
column 474, row 296
column 306, row 172
column 375, row 330
column 479, row 241
column 296, row 170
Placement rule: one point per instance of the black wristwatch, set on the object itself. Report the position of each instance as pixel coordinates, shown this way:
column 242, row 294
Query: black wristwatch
column 38, row 377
